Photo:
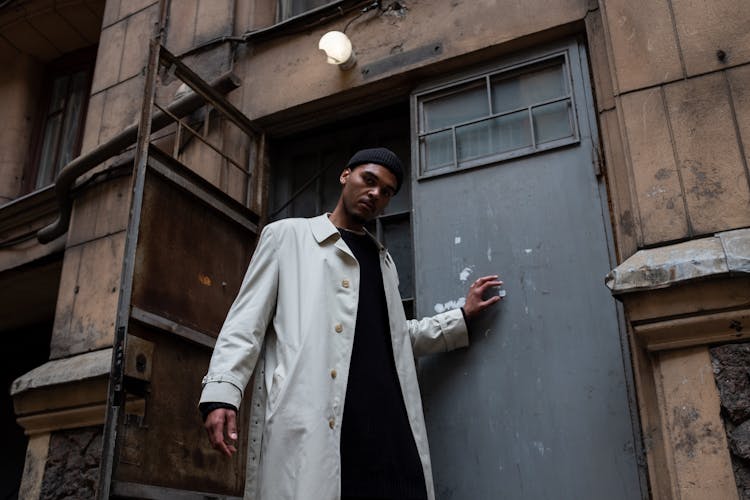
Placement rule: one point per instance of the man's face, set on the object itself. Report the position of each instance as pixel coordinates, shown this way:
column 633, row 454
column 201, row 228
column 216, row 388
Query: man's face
column 366, row 190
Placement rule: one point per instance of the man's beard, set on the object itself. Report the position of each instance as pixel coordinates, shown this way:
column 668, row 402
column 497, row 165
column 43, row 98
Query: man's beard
column 359, row 219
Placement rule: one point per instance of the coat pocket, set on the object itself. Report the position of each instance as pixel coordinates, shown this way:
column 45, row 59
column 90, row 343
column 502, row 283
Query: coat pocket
column 276, row 389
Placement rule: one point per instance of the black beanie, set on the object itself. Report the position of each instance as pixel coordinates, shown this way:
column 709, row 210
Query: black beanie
column 379, row 156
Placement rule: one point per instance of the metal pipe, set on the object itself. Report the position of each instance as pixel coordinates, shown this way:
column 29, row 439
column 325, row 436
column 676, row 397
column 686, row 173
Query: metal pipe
column 79, row 166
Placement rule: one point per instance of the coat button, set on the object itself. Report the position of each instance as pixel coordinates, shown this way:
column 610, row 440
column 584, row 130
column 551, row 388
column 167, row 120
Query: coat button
column 332, row 423
column 345, row 283
column 339, row 328
column 333, row 373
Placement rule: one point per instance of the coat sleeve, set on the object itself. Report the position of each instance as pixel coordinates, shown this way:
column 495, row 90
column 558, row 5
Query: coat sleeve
column 239, row 342
column 442, row 332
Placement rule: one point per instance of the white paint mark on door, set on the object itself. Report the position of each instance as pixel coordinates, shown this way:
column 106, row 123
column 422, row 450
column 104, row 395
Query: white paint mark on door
column 451, row 304
column 539, row 447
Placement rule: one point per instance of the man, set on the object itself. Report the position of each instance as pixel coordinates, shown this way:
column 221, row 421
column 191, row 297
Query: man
column 336, row 410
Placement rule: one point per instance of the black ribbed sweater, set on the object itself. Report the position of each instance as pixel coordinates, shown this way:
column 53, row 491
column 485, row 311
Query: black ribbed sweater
column 379, row 458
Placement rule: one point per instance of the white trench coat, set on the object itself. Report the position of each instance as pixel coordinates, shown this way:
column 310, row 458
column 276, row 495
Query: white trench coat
column 300, row 294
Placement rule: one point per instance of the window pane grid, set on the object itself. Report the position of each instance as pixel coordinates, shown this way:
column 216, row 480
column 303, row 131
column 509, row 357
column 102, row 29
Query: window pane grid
column 61, row 123
column 532, row 128
column 434, row 152
column 540, row 116
column 494, row 115
column 453, row 137
column 488, row 86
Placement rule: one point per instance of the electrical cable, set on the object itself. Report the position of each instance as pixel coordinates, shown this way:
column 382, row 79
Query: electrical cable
column 373, row 5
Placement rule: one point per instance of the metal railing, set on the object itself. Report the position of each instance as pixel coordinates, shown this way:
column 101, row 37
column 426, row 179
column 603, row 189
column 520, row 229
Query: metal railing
column 203, row 93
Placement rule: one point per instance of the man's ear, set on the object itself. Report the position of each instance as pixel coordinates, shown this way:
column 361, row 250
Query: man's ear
column 344, row 175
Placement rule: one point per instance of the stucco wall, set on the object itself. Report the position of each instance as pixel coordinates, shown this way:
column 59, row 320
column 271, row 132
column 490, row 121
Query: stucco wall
column 291, row 71
column 679, row 77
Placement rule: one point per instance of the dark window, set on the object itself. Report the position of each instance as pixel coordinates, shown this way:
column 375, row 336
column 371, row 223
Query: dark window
column 61, row 119
column 291, row 8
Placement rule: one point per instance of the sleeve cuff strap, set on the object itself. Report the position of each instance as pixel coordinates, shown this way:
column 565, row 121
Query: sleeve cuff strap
column 221, row 392
column 454, row 329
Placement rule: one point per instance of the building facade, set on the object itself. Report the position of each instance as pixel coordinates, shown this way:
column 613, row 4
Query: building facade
column 594, row 153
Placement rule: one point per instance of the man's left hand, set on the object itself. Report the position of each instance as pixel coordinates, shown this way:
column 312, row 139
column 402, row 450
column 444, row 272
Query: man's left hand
column 474, row 298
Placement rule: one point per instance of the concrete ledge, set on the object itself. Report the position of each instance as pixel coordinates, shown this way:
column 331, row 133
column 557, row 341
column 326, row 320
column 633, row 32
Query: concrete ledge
column 61, row 371
column 736, row 246
column 75, row 418
column 724, row 254
column 69, row 393
column 702, row 329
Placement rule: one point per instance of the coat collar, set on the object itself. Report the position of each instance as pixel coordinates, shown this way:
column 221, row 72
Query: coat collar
column 323, row 228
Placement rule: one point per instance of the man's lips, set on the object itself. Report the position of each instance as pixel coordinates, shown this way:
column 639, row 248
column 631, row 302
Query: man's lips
column 368, row 204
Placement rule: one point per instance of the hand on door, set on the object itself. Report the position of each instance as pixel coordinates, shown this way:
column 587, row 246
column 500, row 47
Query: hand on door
column 475, row 302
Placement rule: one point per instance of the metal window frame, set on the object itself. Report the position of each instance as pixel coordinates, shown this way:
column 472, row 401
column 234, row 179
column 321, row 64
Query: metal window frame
column 67, row 65
column 284, row 10
column 385, row 219
column 449, row 87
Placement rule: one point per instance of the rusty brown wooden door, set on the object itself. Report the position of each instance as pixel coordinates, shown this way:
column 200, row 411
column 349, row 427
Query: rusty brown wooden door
column 193, row 246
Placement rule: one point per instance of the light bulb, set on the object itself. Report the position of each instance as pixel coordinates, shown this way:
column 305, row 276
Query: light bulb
column 338, row 49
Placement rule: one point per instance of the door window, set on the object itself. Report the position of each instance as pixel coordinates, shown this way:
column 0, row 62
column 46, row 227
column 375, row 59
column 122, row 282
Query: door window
column 497, row 115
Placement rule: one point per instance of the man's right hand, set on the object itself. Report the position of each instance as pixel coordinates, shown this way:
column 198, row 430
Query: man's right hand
column 221, row 425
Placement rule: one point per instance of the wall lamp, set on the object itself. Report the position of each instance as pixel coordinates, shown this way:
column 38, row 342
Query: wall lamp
column 338, row 49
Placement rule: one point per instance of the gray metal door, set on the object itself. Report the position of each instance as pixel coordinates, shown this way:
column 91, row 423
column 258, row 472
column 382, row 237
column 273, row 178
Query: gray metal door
column 539, row 405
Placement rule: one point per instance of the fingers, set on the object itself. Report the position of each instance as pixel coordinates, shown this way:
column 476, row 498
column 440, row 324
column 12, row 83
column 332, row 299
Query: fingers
column 485, row 282
column 490, row 301
column 215, row 426
column 232, row 425
column 231, row 430
column 474, row 302
column 490, row 284
column 215, row 429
